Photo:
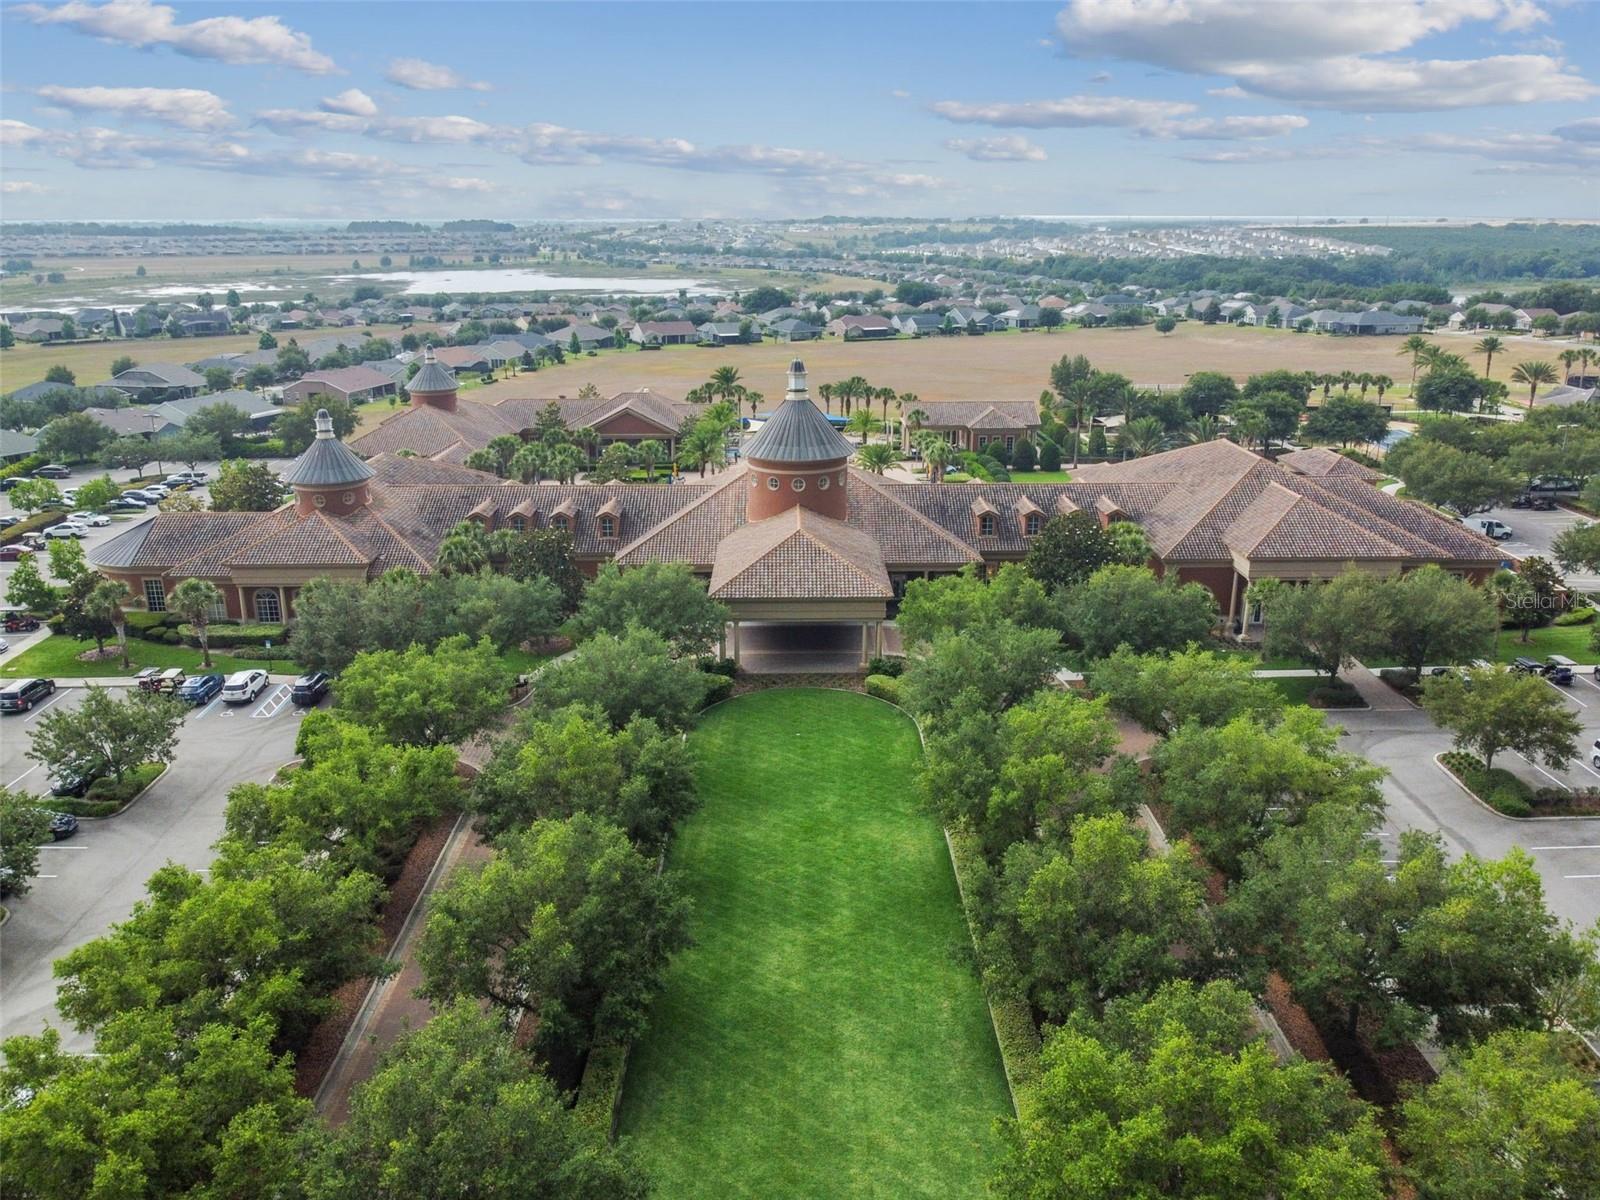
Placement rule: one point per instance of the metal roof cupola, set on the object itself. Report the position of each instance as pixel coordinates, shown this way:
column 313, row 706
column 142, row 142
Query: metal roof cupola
column 329, row 476
column 434, row 386
column 797, row 458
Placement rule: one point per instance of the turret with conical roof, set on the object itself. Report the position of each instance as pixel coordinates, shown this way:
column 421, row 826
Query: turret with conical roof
column 329, row 476
column 434, row 386
column 797, row 458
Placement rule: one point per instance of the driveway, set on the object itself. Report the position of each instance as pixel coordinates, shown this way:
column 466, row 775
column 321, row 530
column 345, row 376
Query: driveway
column 1566, row 850
column 93, row 879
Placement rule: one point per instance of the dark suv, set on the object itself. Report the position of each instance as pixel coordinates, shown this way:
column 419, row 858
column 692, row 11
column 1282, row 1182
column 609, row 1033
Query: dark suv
column 25, row 693
column 309, row 689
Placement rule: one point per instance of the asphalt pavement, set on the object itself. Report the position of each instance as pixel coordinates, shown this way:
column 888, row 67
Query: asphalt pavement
column 1533, row 532
column 92, row 880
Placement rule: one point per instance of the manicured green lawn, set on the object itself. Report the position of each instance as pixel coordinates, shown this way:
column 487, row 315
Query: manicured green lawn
column 826, row 1035
column 1571, row 640
column 57, row 657
column 1041, row 477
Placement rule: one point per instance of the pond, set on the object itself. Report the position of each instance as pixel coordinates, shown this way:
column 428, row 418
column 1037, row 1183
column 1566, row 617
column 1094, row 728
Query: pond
column 523, row 279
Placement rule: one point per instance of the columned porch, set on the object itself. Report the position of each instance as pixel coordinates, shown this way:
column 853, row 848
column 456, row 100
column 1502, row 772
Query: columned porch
column 811, row 637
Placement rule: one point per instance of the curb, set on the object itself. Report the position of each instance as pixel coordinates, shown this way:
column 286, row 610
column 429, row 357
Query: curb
column 1489, row 808
column 165, row 767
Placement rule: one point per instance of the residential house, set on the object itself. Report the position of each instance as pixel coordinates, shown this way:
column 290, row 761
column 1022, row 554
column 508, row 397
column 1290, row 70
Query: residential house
column 864, row 328
column 350, row 384
column 722, row 333
column 138, row 421
column 464, row 358
column 40, row 329
column 255, row 408
column 15, row 444
column 1024, row 317
column 974, row 424
column 919, row 324
column 794, row 329
column 205, row 324
column 151, row 383
column 664, row 333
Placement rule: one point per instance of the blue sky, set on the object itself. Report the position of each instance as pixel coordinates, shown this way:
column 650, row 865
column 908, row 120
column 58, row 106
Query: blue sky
column 139, row 110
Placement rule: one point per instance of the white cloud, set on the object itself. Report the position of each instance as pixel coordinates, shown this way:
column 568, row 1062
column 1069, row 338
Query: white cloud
column 139, row 23
column 422, row 76
column 900, row 94
column 1231, row 92
column 1547, row 151
column 1069, row 112
column 1230, row 128
column 1100, row 77
column 19, row 133
column 604, row 200
column 187, row 108
column 352, row 102
column 445, row 130
column 1010, row 148
column 1324, row 58
column 23, row 187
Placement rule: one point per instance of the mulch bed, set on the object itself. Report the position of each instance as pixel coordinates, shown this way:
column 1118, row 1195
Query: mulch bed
column 1378, row 1075
column 744, row 684
column 322, row 1047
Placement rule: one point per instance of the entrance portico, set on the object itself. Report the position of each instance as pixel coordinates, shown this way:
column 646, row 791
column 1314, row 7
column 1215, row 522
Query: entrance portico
column 803, row 648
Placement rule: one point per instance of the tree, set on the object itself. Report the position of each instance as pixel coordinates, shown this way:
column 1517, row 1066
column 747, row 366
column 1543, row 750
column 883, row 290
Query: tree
column 572, row 761
column 1535, row 375
column 1165, row 325
column 547, row 554
column 60, row 374
column 97, row 493
column 938, row 454
column 259, row 376
column 1173, row 1097
column 878, row 457
column 266, row 342
column 1346, row 421
column 191, row 449
column 1434, row 617
column 7, row 338
column 455, row 1109
column 627, row 675
column 1000, row 664
column 1231, row 785
column 218, row 379
column 1327, row 625
column 649, row 453
column 124, row 363
column 1449, row 390
column 666, row 598
column 568, row 921
column 464, row 550
column 76, row 437
column 1096, row 917
column 1490, row 709
column 106, row 735
column 1129, row 606
column 103, row 606
column 1268, row 416
column 1488, row 347
column 1209, row 393
column 1443, row 474
column 130, row 453
column 297, row 426
column 423, row 697
column 194, row 600
column 245, row 486
column 23, row 826
column 1508, row 1118
column 223, row 422
column 1068, row 549
column 154, row 1112
column 34, row 495
column 1164, row 692
column 27, row 589
column 948, row 604
column 1578, row 546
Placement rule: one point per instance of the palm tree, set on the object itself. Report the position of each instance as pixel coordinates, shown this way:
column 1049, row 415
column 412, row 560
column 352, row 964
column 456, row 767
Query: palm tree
column 1346, row 378
column 528, row 464
column 589, row 392
column 103, row 606
column 464, row 550
column 649, row 452
column 1141, row 437
column 193, row 600
column 1586, row 357
column 724, row 382
column 1204, row 428
column 1251, row 425
column 565, row 461
column 1488, row 347
column 878, row 457
column 906, row 400
column 1533, row 374
column 753, row 398
column 911, row 420
column 826, row 392
column 938, row 454
column 1415, row 346
column 1327, row 379
column 1364, row 381
column 1568, row 357
column 863, row 422
column 704, row 447
column 1431, row 356
column 1382, row 383
column 885, row 395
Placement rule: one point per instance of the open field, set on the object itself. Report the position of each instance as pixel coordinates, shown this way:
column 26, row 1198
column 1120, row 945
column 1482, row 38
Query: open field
column 1007, row 366
column 825, row 1035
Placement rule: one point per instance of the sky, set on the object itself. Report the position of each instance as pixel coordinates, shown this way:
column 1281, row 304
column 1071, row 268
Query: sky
column 335, row 110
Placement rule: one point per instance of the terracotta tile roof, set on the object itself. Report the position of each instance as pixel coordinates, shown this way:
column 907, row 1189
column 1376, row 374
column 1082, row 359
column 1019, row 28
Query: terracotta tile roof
column 994, row 414
column 1280, row 524
column 799, row 555
column 170, row 538
column 429, row 431
column 1318, row 461
column 315, row 540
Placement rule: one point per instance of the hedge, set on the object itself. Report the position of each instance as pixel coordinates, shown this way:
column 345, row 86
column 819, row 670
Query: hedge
column 221, row 637
column 1336, row 694
column 718, row 666
column 1496, row 787
column 34, row 524
column 718, row 687
column 24, row 466
column 600, row 1091
column 884, row 687
column 107, row 796
column 886, row 665
column 1017, row 1035
column 1581, row 615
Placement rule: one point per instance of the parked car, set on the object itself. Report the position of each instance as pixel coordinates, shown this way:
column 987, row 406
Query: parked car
column 1527, row 666
column 53, row 471
column 128, row 504
column 1594, row 754
column 62, row 825
column 309, row 689
column 67, row 529
column 6, row 522
column 4, row 645
column 11, row 481
column 94, row 520
column 25, row 693
column 14, row 553
column 194, row 476
column 145, row 494
column 177, row 483
column 1489, row 527
column 1553, row 483
column 16, row 622
column 200, row 689
column 69, row 784
column 1536, row 503
column 243, row 686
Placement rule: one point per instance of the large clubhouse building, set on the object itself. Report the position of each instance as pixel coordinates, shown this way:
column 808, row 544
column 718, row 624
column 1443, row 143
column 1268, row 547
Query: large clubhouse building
column 791, row 536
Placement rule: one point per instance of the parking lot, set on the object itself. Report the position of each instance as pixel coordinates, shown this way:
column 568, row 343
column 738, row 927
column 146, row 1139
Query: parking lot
column 1534, row 532
column 92, row 880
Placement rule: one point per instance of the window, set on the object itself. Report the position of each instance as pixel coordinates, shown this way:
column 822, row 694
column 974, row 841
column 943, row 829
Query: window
column 608, row 526
column 982, row 441
column 349, row 497
column 518, row 523
column 772, row 483
column 986, row 525
column 560, row 522
column 843, row 475
column 218, row 610
column 155, row 596
column 319, row 500
column 822, row 483
column 1011, row 443
column 1031, row 525
column 798, row 484
column 268, row 611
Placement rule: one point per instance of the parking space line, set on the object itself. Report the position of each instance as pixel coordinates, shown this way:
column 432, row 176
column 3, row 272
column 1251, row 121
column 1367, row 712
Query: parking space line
column 216, row 700
column 1540, row 769
column 54, row 846
column 24, row 775
column 273, row 703
column 1564, row 847
column 1563, row 692
column 1564, row 877
column 59, row 694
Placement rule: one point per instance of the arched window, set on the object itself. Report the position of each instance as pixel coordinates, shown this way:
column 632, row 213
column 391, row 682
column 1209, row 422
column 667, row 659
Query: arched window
column 1031, row 525
column 986, row 525
column 608, row 526
column 268, row 610
column 798, row 483
column 842, row 475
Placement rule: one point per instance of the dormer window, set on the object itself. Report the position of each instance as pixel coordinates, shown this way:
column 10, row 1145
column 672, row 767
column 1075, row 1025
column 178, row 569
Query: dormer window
column 986, row 525
column 1030, row 525
column 608, row 526
column 518, row 523
column 559, row 521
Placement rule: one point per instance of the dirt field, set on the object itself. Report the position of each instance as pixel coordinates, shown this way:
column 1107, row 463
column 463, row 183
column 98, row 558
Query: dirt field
column 1005, row 366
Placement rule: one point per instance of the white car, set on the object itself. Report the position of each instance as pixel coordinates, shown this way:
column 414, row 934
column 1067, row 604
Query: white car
column 4, row 645
column 160, row 489
column 243, row 686
column 1594, row 754
column 67, row 529
column 92, row 519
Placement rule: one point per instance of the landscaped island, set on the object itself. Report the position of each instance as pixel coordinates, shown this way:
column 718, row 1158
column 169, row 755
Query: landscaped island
column 826, row 1034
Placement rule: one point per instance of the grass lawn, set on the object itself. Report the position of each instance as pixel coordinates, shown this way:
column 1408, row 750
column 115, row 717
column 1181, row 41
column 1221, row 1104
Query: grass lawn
column 1571, row 640
column 826, row 1034
column 1041, row 477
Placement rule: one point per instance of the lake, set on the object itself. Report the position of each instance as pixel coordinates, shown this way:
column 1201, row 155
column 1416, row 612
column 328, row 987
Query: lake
column 522, row 279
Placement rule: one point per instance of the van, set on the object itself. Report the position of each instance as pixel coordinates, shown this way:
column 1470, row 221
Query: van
column 1489, row 527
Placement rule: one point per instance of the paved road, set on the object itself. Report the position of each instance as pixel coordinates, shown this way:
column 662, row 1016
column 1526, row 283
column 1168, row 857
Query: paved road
column 1533, row 532
column 93, row 879
column 1422, row 796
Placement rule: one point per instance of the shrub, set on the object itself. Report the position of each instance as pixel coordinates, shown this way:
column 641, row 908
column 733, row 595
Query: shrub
column 718, row 687
column 23, row 466
column 1049, row 456
column 109, row 795
column 38, row 522
column 141, row 623
column 884, row 687
column 221, row 637
column 892, row 667
column 600, row 1091
column 171, row 637
column 1496, row 787
column 1337, row 694
column 1581, row 615
column 717, row 666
